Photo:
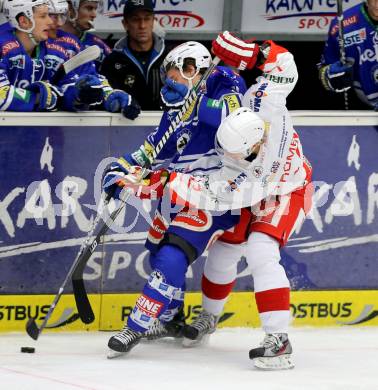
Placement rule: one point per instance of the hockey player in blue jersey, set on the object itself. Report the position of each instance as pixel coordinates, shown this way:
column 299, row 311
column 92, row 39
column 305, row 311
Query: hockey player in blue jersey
column 92, row 83
column 82, row 14
column 29, row 64
column 361, row 49
column 178, row 238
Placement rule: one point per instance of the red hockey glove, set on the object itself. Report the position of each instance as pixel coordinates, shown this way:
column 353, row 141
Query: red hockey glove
column 235, row 52
column 151, row 187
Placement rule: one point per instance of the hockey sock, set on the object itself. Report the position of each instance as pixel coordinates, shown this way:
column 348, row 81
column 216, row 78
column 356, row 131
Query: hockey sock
column 274, row 309
column 215, row 295
column 164, row 285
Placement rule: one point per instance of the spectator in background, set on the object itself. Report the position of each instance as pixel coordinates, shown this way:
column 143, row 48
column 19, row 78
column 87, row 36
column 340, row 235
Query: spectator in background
column 134, row 64
column 361, row 50
column 82, row 14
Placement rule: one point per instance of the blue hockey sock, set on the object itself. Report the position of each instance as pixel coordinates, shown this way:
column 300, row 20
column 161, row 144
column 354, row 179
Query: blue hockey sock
column 164, row 285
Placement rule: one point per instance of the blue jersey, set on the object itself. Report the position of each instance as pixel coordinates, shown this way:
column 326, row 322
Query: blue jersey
column 69, row 41
column 89, row 39
column 361, row 43
column 195, row 136
column 73, row 46
column 18, row 70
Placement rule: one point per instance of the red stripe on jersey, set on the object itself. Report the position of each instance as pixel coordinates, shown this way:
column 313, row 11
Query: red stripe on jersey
column 215, row 290
column 273, row 300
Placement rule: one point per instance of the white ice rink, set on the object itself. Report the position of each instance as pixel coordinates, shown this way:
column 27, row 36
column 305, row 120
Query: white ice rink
column 326, row 359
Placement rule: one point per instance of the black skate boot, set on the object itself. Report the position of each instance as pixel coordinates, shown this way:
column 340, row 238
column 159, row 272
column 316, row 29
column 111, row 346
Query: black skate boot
column 173, row 328
column 123, row 342
column 204, row 324
column 274, row 353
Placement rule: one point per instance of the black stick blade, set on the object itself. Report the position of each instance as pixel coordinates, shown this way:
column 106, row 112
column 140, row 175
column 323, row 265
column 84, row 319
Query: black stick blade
column 32, row 329
column 83, row 305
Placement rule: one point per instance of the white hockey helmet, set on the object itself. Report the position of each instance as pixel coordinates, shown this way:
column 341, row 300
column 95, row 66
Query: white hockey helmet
column 240, row 131
column 14, row 8
column 177, row 56
column 58, row 7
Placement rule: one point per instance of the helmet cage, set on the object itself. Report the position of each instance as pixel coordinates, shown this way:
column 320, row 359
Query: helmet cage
column 189, row 53
column 13, row 9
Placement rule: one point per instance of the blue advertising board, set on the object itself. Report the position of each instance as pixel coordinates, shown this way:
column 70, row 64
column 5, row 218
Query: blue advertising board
column 47, row 200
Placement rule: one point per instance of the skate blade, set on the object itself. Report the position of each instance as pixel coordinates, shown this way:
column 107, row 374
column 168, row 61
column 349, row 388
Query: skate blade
column 284, row 362
column 114, row 354
column 188, row 343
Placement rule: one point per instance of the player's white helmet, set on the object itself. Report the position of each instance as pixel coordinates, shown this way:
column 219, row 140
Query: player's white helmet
column 177, row 56
column 59, row 7
column 13, row 8
column 240, row 131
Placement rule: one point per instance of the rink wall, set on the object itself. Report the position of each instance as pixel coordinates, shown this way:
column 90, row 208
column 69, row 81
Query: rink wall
column 47, row 187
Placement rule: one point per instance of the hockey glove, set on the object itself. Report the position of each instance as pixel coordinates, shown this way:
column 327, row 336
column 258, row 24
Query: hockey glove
column 337, row 77
column 235, row 52
column 150, row 186
column 89, row 90
column 48, row 95
column 173, row 95
column 120, row 101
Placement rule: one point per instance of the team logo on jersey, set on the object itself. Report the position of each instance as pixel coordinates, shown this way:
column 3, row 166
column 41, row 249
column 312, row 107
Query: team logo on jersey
column 259, row 94
column 355, row 37
column 17, row 62
column 129, row 79
column 182, row 141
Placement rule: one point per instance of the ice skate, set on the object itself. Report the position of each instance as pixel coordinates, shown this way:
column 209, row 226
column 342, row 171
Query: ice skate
column 273, row 354
column 123, row 342
column 173, row 328
column 197, row 331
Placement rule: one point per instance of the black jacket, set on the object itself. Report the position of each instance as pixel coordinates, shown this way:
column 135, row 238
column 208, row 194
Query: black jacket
column 125, row 72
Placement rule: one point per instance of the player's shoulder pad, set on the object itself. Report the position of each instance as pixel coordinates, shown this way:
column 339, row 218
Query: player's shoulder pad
column 352, row 18
column 97, row 41
column 225, row 76
column 9, row 45
column 69, row 39
column 57, row 49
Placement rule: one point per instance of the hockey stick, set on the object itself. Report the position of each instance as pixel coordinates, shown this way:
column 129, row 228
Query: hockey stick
column 86, row 250
column 82, row 302
column 340, row 19
column 83, row 57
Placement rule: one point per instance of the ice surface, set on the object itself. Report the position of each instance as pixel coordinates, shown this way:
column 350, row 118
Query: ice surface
column 344, row 358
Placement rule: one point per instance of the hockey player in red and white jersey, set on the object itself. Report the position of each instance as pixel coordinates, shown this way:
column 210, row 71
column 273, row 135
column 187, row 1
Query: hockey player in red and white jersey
column 264, row 173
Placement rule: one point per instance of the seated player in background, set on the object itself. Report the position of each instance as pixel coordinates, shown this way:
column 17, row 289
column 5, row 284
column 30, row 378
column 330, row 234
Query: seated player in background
column 29, row 63
column 360, row 71
column 177, row 237
column 91, row 85
column 80, row 21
